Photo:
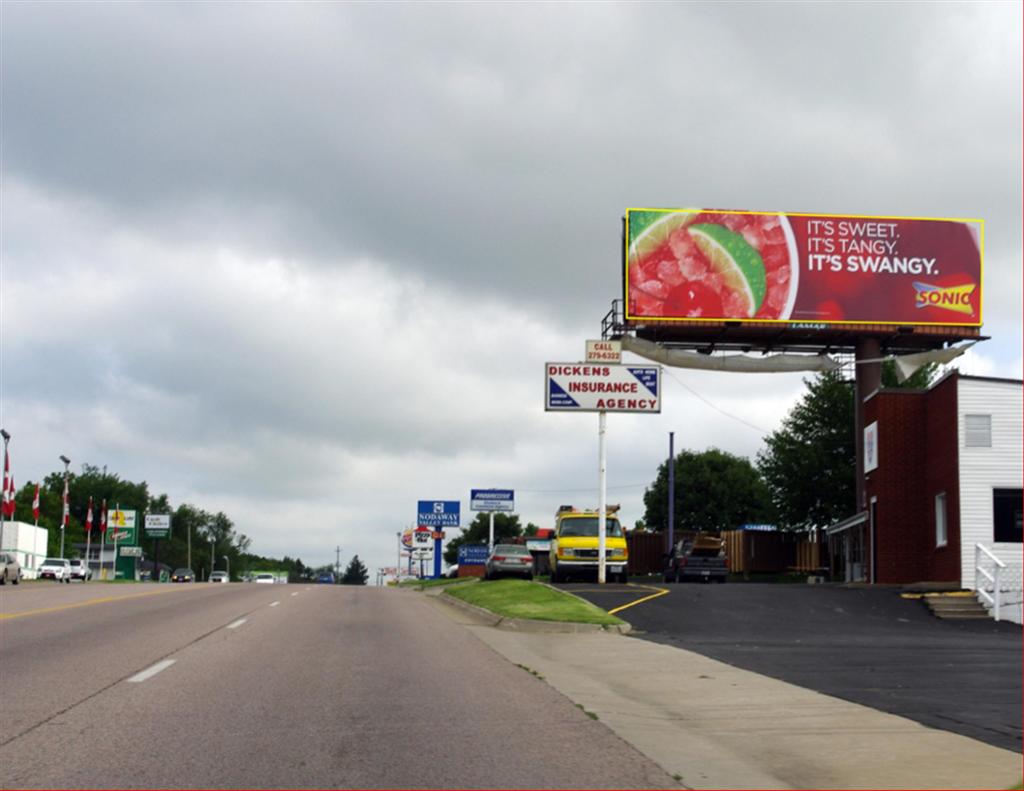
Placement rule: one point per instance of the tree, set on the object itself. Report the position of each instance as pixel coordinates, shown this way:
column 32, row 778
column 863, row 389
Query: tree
column 355, row 573
column 808, row 463
column 715, row 490
column 921, row 379
column 505, row 526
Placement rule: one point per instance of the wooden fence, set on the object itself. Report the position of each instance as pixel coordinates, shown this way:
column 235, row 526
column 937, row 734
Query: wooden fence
column 772, row 552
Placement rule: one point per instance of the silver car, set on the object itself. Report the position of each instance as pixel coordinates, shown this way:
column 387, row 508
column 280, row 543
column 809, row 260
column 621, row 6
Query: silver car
column 509, row 559
column 10, row 569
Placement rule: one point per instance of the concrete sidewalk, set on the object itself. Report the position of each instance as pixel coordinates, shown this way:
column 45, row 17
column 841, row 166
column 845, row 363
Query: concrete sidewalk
column 716, row 726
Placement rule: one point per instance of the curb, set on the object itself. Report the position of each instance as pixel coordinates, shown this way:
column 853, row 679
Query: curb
column 529, row 625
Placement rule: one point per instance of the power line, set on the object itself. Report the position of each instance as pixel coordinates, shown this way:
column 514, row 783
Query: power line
column 590, row 489
column 715, row 407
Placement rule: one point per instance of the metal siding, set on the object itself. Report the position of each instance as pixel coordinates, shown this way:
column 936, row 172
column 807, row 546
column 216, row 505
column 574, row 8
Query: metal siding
column 985, row 469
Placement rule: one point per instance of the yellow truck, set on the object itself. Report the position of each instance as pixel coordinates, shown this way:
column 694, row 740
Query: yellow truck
column 574, row 545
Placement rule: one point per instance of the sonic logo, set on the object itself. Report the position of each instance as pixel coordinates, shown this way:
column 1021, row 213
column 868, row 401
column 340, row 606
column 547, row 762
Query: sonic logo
column 955, row 298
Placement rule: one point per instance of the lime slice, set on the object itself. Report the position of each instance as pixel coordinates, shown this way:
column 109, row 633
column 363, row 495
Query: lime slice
column 738, row 263
column 656, row 233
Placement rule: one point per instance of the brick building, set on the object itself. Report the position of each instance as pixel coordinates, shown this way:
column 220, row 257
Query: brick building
column 943, row 473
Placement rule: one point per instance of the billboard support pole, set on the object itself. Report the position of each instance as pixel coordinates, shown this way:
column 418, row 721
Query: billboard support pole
column 490, row 532
column 602, row 496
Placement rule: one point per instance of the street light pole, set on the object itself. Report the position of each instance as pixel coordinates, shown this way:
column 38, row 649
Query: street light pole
column 213, row 558
column 7, row 438
column 67, row 505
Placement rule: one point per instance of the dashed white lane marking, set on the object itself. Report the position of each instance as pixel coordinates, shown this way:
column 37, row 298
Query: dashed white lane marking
column 237, row 623
column 295, row 594
column 274, row 603
column 149, row 672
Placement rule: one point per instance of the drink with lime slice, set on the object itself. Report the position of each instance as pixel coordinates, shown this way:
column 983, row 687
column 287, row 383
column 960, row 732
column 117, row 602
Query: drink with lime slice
column 710, row 264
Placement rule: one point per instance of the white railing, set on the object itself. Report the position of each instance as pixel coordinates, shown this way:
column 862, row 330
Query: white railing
column 992, row 579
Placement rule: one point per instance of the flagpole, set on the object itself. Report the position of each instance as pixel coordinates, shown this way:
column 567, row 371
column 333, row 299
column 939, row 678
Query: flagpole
column 103, row 536
column 113, row 563
column 88, row 540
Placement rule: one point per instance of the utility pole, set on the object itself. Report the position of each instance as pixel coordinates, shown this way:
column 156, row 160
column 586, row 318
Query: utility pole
column 64, row 517
column 337, row 564
column 671, row 490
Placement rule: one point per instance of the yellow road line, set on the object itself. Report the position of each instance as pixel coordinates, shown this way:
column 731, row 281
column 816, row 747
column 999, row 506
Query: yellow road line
column 8, row 616
column 660, row 592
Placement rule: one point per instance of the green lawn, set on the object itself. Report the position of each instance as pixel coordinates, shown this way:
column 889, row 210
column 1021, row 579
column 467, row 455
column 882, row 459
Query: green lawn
column 521, row 599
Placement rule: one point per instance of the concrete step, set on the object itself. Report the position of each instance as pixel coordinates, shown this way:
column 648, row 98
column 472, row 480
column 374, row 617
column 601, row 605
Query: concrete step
column 958, row 607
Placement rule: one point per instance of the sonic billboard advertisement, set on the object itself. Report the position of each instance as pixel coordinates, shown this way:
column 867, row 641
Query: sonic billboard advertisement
column 712, row 265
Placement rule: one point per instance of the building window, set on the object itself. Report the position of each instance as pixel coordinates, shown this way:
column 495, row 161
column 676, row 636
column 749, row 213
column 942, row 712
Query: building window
column 1006, row 515
column 941, row 536
column 978, row 431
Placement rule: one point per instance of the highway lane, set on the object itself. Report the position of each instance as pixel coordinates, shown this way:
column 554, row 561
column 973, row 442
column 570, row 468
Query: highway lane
column 289, row 686
column 60, row 644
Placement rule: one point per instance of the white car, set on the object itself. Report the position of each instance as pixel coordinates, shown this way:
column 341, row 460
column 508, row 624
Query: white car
column 80, row 570
column 219, row 576
column 57, row 569
column 266, row 579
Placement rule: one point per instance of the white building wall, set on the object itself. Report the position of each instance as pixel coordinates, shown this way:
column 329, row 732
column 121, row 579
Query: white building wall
column 985, row 469
column 27, row 542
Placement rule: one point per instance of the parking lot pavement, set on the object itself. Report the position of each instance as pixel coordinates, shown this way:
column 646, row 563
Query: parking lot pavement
column 865, row 645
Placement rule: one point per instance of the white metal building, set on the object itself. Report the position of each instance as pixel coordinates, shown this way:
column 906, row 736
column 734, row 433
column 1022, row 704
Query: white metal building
column 27, row 543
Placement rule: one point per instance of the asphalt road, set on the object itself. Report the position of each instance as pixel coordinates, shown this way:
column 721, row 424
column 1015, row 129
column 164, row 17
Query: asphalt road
column 864, row 645
column 252, row 686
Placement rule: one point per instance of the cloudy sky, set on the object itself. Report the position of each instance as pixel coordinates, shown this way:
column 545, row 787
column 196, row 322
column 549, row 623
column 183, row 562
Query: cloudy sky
column 304, row 262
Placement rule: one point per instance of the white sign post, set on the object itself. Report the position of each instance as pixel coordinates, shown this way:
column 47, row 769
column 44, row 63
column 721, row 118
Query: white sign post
column 596, row 387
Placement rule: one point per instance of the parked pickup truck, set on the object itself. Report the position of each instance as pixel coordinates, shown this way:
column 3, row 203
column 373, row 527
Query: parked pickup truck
column 80, row 570
column 698, row 559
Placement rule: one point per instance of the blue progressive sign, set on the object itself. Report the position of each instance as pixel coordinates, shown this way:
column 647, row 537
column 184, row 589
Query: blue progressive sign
column 473, row 554
column 492, row 500
column 438, row 513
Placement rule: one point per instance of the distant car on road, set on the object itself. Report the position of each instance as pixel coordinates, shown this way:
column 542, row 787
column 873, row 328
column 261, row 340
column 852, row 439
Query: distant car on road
column 11, row 569
column 326, row 578
column 183, row 575
column 219, row 576
column 509, row 559
column 266, row 579
column 80, row 570
column 55, row 569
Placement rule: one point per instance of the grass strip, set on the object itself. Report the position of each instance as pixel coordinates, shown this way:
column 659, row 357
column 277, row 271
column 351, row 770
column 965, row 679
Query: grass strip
column 421, row 584
column 522, row 599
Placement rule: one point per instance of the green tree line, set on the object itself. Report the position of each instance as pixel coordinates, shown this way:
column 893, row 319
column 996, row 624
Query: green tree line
column 215, row 541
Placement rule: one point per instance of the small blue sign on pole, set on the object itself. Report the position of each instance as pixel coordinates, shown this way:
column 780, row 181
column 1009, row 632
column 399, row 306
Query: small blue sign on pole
column 473, row 554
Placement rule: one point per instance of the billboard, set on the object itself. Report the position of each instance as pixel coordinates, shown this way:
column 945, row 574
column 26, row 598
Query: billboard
column 714, row 265
column 578, row 387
